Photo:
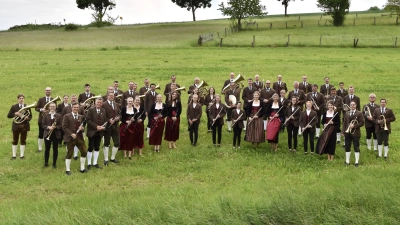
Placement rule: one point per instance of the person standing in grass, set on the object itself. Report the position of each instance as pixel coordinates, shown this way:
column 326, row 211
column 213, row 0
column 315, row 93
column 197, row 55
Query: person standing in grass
column 20, row 129
column 274, row 112
column 51, row 124
column 308, row 120
column 173, row 120
column 383, row 116
column 158, row 111
column 353, row 120
column 255, row 126
column 113, row 116
column 217, row 113
column 369, row 110
column 292, row 115
column 193, row 114
column 208, row 102
column 326, row 144
column 238, row 116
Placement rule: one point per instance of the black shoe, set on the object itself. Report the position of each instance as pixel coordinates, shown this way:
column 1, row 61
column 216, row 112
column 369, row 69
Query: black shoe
column 76, row 157
column 338, row 142
column 68, row 173
column 106, row 163
column 12, row 158
column 385, row 157
column 38, row 151
column 97, row 166
column 83, row 171
column 22, row 157
column 346, row 164
column 316, row 138
column 116, row 161
column 46, row 165
column 356, row 165
column 54, row 166
column 89, row 167
column 130, row 158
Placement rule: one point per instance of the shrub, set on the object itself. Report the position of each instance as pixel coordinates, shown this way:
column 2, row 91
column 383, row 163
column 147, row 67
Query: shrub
column 71, row 26
column 100, row 24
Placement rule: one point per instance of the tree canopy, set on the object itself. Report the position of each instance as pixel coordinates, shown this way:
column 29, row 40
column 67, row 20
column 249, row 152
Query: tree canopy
column 392, row 5
column 240, row 9
column 336, row 8
column 193, row 5
column 99, row 7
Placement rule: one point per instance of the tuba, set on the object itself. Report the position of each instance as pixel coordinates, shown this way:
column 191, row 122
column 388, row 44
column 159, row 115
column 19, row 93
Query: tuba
column 237, row 81
column 181, row 88
column 90, row 102
column 203, row 91
column 383, row 125
column 47, row 104
column 24, row 112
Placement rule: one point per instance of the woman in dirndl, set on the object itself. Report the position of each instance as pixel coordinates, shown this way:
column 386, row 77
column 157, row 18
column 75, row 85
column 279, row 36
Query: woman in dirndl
column 326, row 143
column 255, row 125
column 158, row 112
column 174, row 107
column 274, row 112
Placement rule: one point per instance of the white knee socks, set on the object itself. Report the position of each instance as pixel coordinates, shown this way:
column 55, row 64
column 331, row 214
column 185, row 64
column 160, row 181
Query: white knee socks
column 40, row 143
column 114, row 152
column 357, row 156
column 14, row 150
column 375, row 144
column 106, row 149
column 386, row 149
column 22, row 150
column 68, row 164
column 369, row 144
column 83, row 160
column 348, row 157
column 89, row 158
column 380, row 150
column 95, row 157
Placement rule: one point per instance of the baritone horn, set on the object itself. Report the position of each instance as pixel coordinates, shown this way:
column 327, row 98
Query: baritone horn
column 25, row 113
column 144, row 94
column 383, row 125
column 90, row 102
column 203, row 91
column 46, row 107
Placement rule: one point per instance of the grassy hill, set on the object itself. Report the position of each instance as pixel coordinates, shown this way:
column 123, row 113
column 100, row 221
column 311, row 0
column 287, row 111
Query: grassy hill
column 201, row 185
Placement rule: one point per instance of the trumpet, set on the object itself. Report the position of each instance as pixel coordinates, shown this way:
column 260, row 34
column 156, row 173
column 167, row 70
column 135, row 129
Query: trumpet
column 367, row 110
column 25, row 113
column 48, row 103
column 352, row 130
column 383, row 125
column 53, row 126
column 304, row 128
column 291, row 115
column 314, row 104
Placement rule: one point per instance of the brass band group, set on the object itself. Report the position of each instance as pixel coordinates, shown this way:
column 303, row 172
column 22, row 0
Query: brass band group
column 324, row 113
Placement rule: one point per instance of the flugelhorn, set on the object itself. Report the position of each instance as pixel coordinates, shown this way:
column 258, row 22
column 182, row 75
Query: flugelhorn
column 25, row 112
column 383, row 125
column 45, row 107
column 367, row 110
column 352, row 130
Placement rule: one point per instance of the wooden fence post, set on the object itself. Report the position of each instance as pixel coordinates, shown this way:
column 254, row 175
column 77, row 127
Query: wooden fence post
column 288, row 40
column 270, row 26
column 356, row 15
column 257, row 26
column 395, row 43
column 320, row 40
column 320, row 17
column 326, row 21
column 355, row 42
column 218, row 34
column 220, row 42
column 299, row 18
column 286, row 24
column 354, row 22
column 318, row 22
column 397, row 20
column 374, row 20
column 225, row 32
column 199, row 41
column 254, row 41
column 301, row 23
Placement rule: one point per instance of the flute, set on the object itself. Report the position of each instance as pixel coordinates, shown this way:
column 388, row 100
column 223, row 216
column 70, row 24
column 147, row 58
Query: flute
column 275, row 114
column 216, row 117
column 329, row 122
column 233, row 124
column 304, row 128
column 291, row 115
column 254, row 116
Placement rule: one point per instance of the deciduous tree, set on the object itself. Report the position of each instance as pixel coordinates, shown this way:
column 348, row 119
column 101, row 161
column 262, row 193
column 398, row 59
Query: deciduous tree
column 240, row 9
column 99, row 7
column 285, row 3
column 336, row 8
column 193, row 5
column 393, row 5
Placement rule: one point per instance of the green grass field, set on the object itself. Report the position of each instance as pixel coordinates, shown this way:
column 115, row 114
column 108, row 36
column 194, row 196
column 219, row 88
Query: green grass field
column 201, row 185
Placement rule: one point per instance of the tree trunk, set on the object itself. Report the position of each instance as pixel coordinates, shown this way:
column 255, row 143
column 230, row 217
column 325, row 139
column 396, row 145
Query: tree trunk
column 239, row 23
column 286, row 5
column 193, row 13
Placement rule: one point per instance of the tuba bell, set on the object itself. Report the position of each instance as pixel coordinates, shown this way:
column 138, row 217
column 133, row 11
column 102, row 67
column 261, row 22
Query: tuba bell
column 90, row 102
column 203, row 91
column 24, row 112
column 181, row 89
column 237, row 81
column 47, row 104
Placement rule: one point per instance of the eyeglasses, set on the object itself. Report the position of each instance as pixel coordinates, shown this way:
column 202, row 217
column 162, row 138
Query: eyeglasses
column 48, row 90
column 267, row 83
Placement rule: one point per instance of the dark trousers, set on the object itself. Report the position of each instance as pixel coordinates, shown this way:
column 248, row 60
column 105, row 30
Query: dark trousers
column 348, row 139
column 292, row 134
column 216, row 128
column 383, row 136
column 60, row 141
column 94, row 143
column 209, row 121
column 370, row 132
column 111, row 132
column 318, row 118
column 228, row 114
column 237, row 133
column 80, row 144
column 47, row 144
column 41, row 130
column 21, row 130
column 194, row 133
column 308, row 136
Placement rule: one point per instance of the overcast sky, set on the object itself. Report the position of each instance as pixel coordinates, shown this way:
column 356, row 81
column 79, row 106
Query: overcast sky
column 18, row 12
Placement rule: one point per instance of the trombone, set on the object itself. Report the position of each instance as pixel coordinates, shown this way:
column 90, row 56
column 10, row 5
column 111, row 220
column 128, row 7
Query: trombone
column 352, row 130
column 383, row 125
